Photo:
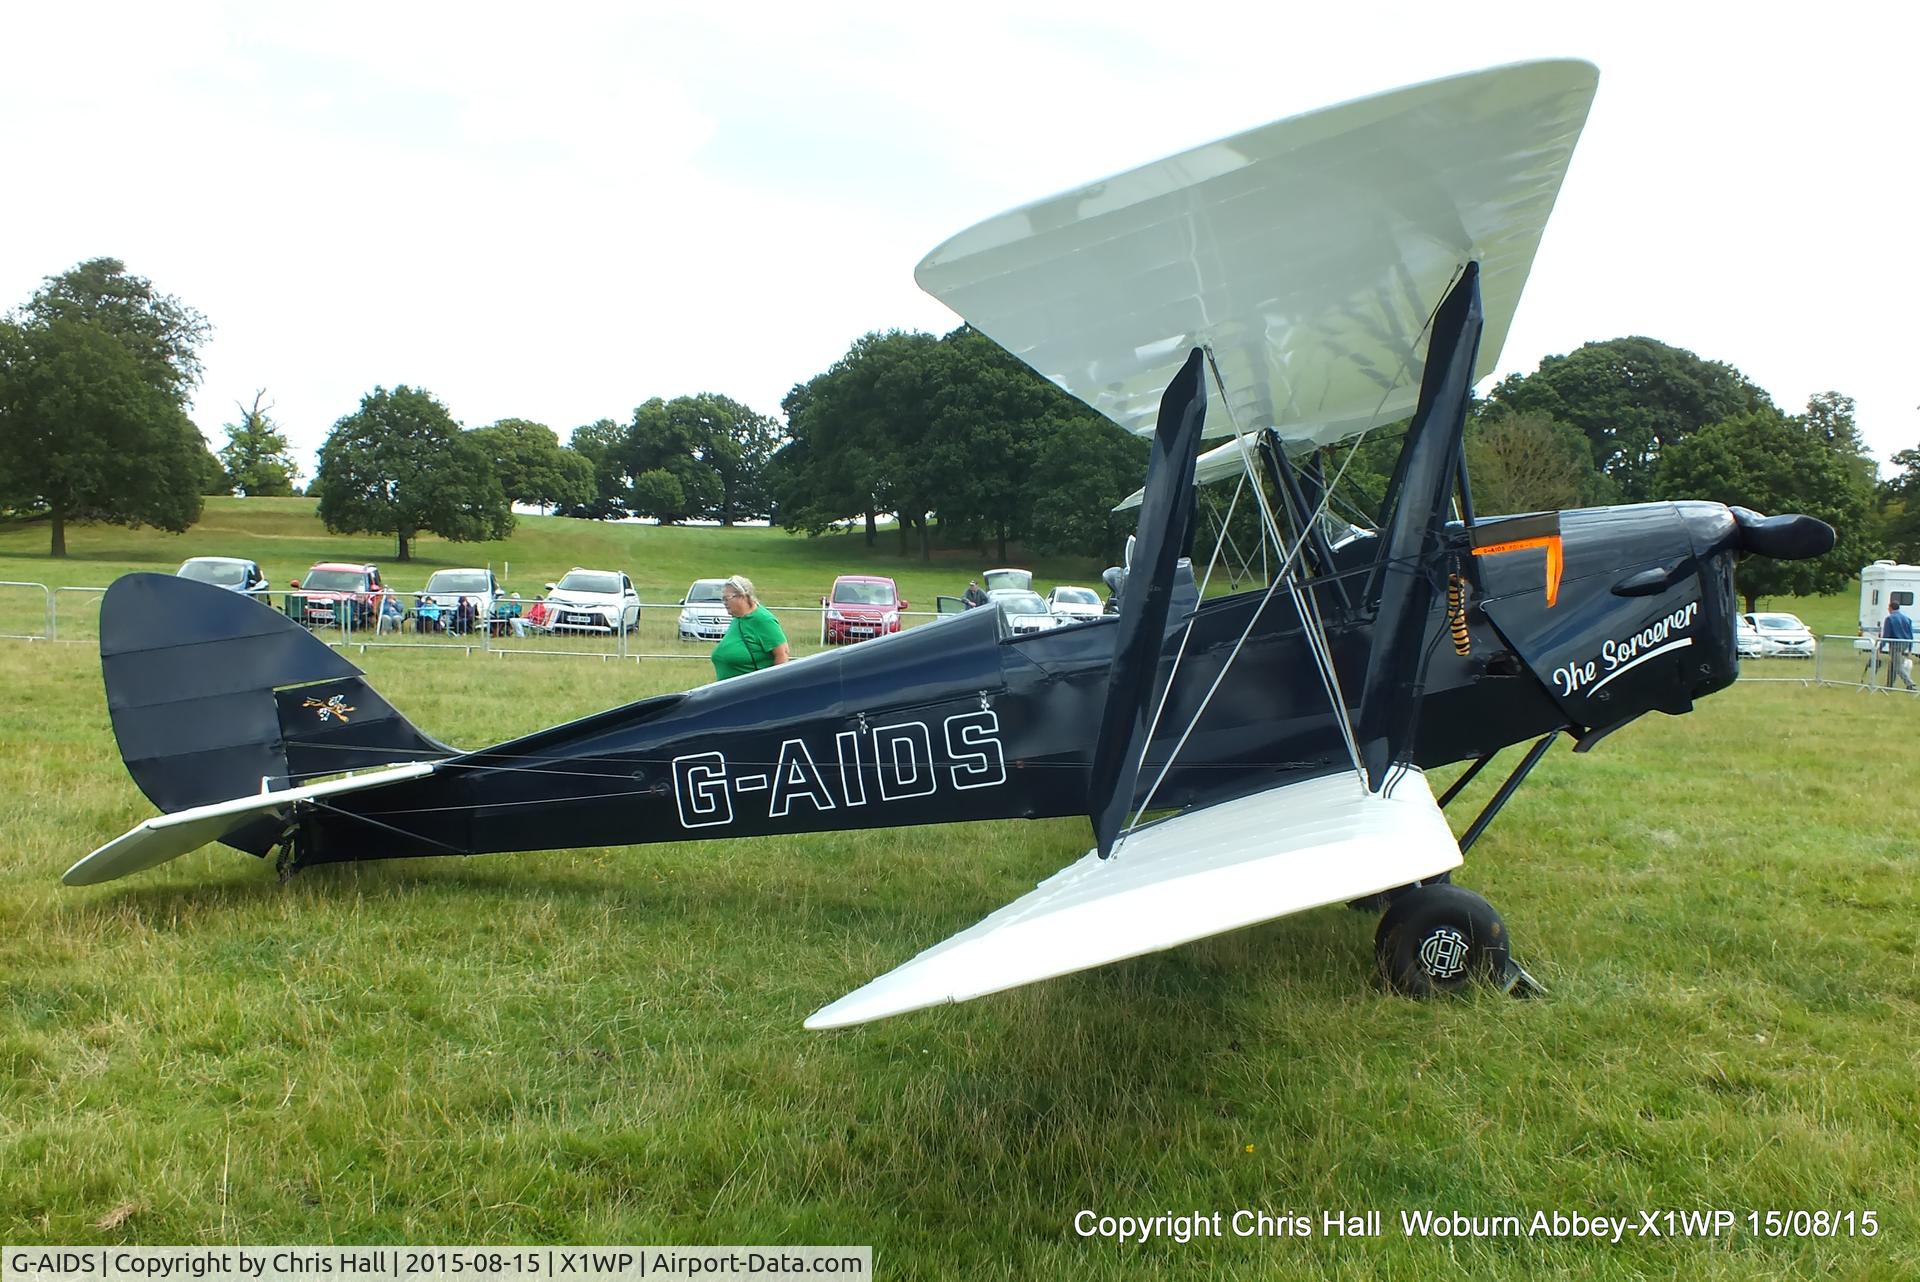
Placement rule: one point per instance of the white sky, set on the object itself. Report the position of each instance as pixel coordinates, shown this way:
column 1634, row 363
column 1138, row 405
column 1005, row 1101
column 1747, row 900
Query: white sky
column 557, row 211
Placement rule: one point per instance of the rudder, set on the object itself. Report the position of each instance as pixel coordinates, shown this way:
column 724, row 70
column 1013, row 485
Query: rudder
column 212, row 692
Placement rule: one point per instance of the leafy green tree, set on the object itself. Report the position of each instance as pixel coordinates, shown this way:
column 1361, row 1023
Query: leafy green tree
column 95, row 372
column 1830, row 417
column 214, row 482
column 1084, row 465
column 1632, row 397
column 163, row 334
column 657, row 490
column 920, row 427
column 740, row 445
column 672, row 438
column 572, row 482
column 984, row 427
column 789, row 481
column 400, row 465
column 533, row 466
column 854, row 451
column 603, row 444
column 256, row 458
column 905, row 378
column 87, row 434
column 1526, row 462
column 1774, row 464
column 1897, row 507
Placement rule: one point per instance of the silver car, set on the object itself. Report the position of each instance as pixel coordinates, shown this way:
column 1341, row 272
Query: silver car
column 1072, row 605
column 703, row 614
column 233, row 573
column 1782, row 636
column 1024, row 610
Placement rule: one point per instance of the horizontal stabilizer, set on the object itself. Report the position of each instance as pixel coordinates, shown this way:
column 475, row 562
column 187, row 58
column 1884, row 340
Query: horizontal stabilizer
column 184, row 831
column 1319, row 842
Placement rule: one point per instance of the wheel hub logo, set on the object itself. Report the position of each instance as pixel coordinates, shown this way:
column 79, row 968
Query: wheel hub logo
column 1444, row 953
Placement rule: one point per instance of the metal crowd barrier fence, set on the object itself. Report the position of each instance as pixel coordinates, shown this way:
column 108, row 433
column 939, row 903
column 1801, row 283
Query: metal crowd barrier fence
column 36, row 612
column 26, row 611
column 1857, row 662
column 76, row 614
column 660, row 632
column 1865, row 663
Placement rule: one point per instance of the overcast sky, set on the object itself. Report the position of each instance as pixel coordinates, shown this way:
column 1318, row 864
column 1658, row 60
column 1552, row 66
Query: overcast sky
column 558, row 211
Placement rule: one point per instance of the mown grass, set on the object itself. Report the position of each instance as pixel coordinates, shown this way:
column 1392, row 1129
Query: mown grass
column 605, row 1045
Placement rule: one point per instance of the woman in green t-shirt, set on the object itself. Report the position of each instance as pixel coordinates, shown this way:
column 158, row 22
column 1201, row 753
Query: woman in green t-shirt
column 753, row 640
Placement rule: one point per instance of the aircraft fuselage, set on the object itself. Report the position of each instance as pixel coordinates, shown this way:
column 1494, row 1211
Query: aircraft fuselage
column 957, row 720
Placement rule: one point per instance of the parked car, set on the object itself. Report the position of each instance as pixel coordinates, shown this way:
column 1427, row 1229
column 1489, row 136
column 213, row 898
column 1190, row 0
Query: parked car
column 593, row 601
column 861, row 606
column 229, row 572
column 1073, row 604
column 338, row 592
column 1024, row 610
column 703, row 614
column 1782, row 636
column 438, row 604
column 1746, row 638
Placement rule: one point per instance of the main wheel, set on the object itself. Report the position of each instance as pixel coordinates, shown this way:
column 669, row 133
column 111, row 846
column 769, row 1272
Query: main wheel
column 1437, row 939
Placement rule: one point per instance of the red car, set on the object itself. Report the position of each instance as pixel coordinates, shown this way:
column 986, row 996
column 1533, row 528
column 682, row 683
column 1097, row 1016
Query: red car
column 861, row 606
column 328, row 584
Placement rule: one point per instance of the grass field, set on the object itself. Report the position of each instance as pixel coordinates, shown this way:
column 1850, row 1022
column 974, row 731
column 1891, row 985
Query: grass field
column 605, row 1046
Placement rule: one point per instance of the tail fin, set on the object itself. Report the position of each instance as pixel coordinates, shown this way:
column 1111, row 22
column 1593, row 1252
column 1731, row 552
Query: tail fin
column 214, row 695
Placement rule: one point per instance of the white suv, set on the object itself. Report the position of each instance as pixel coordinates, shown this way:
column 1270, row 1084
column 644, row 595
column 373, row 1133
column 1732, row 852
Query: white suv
column 593, row 601
column 445, row 588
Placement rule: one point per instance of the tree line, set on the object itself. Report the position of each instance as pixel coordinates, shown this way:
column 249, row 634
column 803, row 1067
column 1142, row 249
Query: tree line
column 1633, row 420
column 950, row 437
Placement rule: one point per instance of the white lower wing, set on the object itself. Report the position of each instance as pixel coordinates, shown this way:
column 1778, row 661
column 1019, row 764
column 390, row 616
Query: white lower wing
column 1319, row 842
column 170, row 836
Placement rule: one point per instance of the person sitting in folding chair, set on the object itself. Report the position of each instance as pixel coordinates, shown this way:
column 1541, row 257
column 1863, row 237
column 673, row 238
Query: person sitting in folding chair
column 392, row 614
column 506, row 618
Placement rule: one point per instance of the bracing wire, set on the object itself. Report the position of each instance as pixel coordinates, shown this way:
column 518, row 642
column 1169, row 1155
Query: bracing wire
column 1316, row 630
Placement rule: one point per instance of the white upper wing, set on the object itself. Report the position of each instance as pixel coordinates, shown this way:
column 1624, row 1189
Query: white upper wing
column 1308, row 254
